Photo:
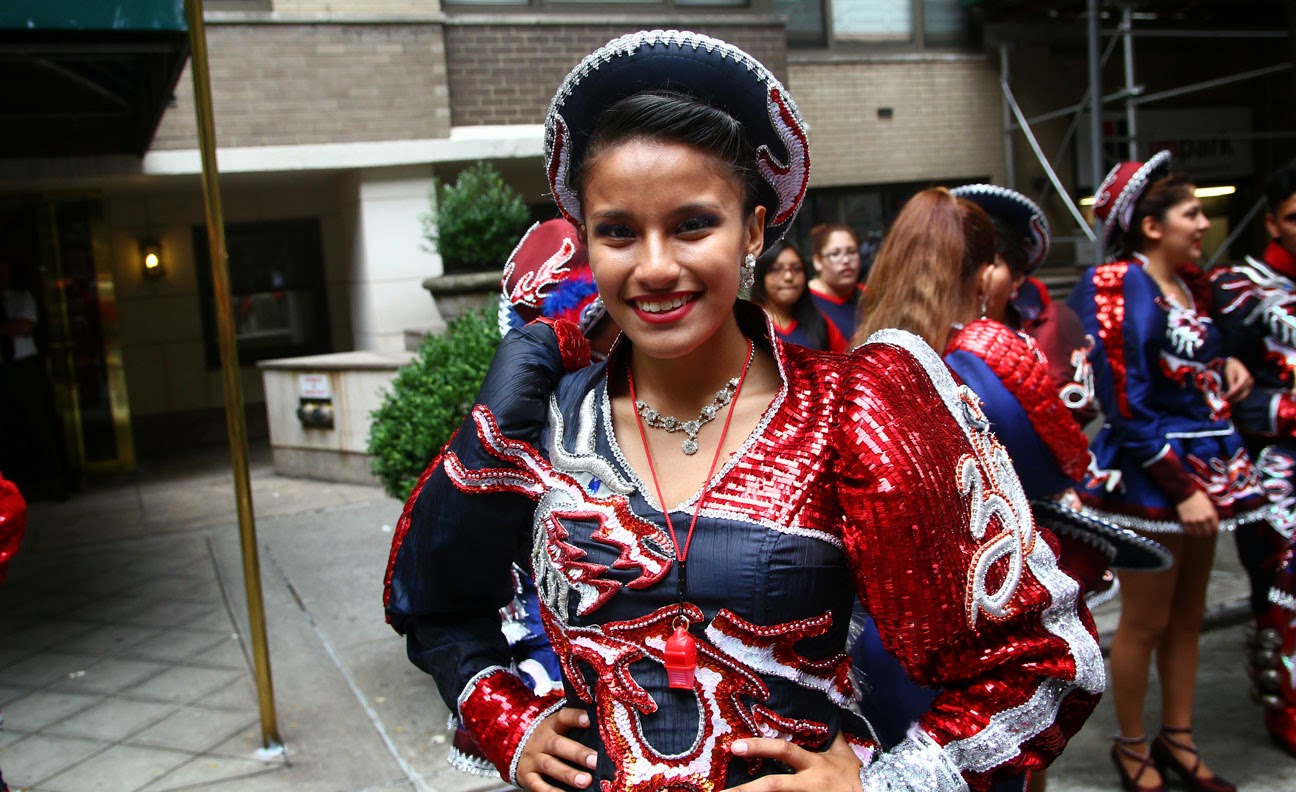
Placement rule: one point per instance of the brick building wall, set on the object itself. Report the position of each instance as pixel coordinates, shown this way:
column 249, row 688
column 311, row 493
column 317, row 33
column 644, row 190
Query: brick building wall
column 945, row 119
column 401, row 8
column 507, row 73
column 290, row 84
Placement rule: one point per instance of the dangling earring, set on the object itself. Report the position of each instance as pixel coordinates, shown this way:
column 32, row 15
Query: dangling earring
column 747, row 272
column 982, row 298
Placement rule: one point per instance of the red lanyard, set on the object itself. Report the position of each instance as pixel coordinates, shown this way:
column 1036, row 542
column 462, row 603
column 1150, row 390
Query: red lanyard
column 679, row 655
column 681, row 553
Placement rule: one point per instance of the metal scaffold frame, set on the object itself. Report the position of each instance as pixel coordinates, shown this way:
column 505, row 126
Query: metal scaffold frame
column 1132, row 93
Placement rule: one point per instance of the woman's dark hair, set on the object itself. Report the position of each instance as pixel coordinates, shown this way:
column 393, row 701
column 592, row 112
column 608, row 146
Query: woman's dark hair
column 673, row 117
column 1011, row 246
column 807, row 316
column 1280, row 187
column 1156, row 202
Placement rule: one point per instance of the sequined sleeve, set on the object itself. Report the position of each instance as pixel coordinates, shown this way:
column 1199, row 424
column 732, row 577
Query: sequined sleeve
column 454, row 546
column 13, row 521
column 1011, row 377
column 1239, row 315
column 1255, row 309
column 1116, row 303
column 964, row 591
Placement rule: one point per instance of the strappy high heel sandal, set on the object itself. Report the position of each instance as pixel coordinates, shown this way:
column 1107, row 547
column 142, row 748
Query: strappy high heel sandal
column 1130, row 783
column 1166, row 760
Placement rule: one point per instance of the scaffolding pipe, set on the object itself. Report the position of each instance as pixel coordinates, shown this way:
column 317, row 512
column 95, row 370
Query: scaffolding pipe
column 1185, row 33
column 234, row 419
column 1043, row 160
column 1115, row 96
column 1010, row 169
column 1095, row 127
column 1074, row 123
column 1131, row 108
column 1207, row 84
column 1236, row 232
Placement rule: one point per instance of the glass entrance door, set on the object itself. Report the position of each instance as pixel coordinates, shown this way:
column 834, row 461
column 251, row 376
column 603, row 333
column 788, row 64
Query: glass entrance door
column 59, row 249
column 85, row 353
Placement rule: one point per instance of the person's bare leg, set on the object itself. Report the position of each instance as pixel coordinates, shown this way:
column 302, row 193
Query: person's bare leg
column 1145, row 613
column 1178, row 652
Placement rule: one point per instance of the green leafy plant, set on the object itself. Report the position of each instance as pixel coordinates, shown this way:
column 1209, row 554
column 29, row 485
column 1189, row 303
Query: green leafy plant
column 429, row 399
column 475, row 222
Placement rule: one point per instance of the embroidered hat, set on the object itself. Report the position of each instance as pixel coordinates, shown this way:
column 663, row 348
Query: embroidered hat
column 710, row 71
column 1120, row 190
column 1121, row 547
column 1016, row 210
column 548, row 274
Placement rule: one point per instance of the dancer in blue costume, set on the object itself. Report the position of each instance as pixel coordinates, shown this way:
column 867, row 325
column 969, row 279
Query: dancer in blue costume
column 1171, row 462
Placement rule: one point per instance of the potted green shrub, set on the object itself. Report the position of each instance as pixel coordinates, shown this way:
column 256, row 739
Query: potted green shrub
column 429, row 399
column 475, row 222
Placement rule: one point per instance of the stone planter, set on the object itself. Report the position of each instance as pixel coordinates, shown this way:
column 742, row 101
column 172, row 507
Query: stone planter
column 456, row 295
column 318, row 409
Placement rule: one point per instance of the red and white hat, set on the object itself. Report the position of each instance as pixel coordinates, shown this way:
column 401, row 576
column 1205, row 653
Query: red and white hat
column 707, row 69
column 1120, row 190
column 548, row 274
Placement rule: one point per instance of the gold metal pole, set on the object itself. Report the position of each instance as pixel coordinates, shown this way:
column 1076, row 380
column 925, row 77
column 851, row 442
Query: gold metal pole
column 234, row 419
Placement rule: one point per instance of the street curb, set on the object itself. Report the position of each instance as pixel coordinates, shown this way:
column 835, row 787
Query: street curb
column 1218, row 616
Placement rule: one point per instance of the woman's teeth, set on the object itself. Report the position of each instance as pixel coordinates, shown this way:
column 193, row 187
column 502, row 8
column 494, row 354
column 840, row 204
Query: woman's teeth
column 661, row 306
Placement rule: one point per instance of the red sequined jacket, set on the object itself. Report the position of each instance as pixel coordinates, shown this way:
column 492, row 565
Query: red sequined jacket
column 872, row 475
column 13, row 521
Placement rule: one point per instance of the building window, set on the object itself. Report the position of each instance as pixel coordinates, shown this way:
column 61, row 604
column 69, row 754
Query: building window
column 854, row 23
column 276, row 272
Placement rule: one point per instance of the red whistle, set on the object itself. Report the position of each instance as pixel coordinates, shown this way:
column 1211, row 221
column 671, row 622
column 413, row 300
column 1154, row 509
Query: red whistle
column 681, row 659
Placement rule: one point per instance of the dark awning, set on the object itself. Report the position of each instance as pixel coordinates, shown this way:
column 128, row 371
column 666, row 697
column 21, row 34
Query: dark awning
column 86, row 77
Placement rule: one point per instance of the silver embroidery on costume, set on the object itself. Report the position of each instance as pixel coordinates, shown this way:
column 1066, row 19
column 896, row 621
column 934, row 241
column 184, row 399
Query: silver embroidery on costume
column 1002, row 737
column 583, row 458
column 917, row 764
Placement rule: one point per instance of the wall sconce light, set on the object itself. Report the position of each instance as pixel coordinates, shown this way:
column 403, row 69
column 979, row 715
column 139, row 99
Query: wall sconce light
column 151, row 258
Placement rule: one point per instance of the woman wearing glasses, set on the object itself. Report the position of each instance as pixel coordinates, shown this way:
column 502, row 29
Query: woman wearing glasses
column 780, row 288
column 836, row 289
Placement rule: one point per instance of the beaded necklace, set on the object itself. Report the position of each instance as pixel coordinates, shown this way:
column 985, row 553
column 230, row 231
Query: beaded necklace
column 681, row 648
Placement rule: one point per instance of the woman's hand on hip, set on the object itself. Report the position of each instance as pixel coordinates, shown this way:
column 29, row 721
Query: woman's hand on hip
column 834, row 770
column 1198, row 515
column 1237, row 380
column 550, row 754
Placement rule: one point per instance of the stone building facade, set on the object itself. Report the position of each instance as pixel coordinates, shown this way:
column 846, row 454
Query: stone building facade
column 334, row 117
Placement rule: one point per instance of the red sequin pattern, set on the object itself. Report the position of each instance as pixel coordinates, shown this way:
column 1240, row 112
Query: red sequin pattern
column 1017, row 362
column 499, row 713
column 728, row 685
column 572, row 344
column 1285, row 418
column 1109, row 300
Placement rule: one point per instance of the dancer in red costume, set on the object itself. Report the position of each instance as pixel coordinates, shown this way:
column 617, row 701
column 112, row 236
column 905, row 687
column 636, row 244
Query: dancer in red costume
column 696, row 580
column 836, row 289
column 780, row 288
column 947, row 245
column 13, row 521
column 1255, row 307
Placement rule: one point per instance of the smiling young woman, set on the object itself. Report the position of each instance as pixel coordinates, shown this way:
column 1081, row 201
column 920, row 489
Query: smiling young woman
column 701, row 509
column 1170, row 462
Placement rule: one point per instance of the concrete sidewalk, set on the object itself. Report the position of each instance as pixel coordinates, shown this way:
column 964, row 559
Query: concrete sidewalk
column 124, row 665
